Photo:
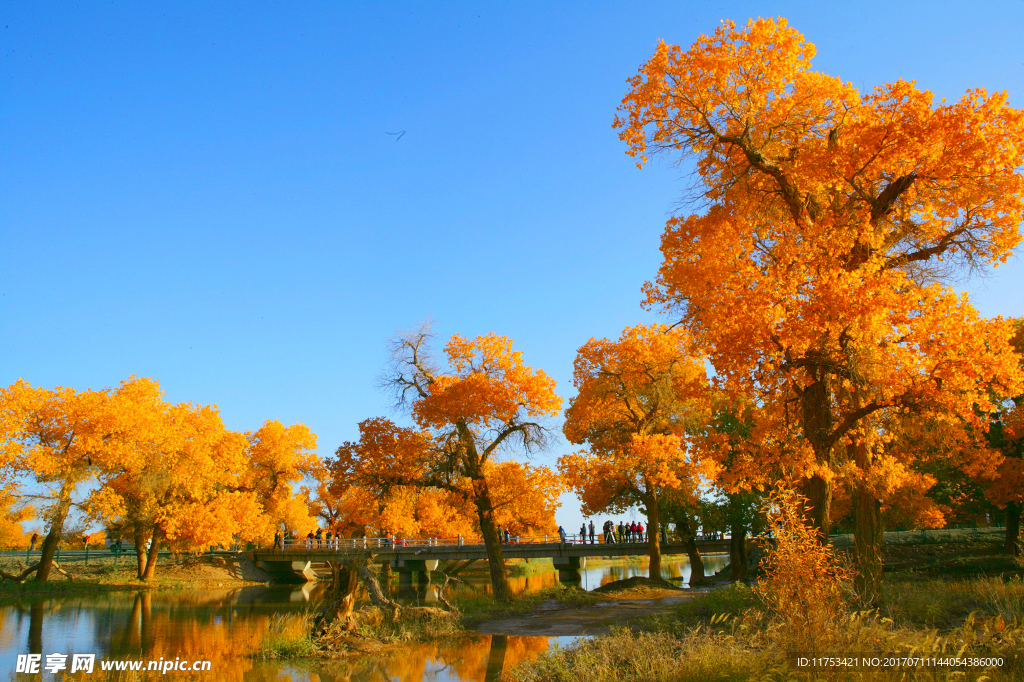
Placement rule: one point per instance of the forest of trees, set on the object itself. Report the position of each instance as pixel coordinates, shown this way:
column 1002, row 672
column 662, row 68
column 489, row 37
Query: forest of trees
column 811, row 340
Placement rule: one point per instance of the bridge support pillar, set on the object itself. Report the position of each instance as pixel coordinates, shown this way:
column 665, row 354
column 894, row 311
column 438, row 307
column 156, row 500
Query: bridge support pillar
column 406, row 567
column 285, row 571
column 569, row 568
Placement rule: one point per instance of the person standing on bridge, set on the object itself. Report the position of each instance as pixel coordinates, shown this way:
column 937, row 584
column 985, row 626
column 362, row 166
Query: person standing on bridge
column 506, row 536
column 501, row 535
column 561, row 534
column 277, row 540
column 591, row 531
column 583, row 534
column 640, row 531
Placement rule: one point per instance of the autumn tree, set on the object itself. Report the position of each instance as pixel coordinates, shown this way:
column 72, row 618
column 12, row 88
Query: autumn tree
column 182, row 484
column 1006, row 487
column 829, row 222
column 12, row 512
column 636, row 399
column 279, row 458
column 60, row 440
column 483, row 402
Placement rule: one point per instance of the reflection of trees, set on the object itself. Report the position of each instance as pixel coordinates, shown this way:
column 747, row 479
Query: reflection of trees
column 216, row 627
column 35, row 628
column 468, row 659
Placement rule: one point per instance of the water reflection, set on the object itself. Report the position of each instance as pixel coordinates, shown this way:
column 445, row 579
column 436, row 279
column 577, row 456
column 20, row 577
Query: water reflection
column 227, row 627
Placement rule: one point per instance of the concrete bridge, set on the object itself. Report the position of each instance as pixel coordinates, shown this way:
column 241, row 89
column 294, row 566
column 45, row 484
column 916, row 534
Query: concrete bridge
column 298, row 559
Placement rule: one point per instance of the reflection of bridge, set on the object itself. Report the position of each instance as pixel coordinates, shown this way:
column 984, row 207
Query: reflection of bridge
column 297, row 561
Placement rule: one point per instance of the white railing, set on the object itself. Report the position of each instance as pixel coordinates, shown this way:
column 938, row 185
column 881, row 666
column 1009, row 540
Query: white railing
column 355, row 544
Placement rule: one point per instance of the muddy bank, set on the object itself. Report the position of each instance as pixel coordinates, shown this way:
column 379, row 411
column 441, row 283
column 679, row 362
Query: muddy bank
column 554, row 619
column 619, row 603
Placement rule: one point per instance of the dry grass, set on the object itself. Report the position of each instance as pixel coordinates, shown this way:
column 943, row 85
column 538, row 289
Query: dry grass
column 802, row 608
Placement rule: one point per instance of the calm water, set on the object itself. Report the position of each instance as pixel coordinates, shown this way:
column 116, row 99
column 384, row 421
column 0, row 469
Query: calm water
column 226, row 626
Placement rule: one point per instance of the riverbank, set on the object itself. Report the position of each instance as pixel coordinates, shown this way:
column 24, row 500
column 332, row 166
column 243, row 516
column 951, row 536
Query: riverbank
column 939, row 602
column 560, row 612
column 105, row 576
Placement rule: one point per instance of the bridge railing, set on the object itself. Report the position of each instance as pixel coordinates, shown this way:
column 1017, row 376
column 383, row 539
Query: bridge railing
column 356, row 544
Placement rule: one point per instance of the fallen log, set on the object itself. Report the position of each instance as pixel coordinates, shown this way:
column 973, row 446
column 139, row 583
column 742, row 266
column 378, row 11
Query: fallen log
column 20, row 577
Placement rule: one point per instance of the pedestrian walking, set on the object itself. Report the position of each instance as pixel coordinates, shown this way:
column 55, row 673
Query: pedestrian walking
column 277, row 540
column 32, row 543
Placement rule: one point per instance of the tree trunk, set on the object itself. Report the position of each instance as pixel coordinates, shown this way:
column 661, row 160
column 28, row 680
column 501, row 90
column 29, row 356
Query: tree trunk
column 867, row 534
column 818, row 509
column 689, row 535
column 340, row 602
column 495, row 557
column 373, row 589
column 653, row 539
column 140, row 550
column 816, row 423
column 154, row 550
column 49, row 548
column 738, row 552
column 1013, row 512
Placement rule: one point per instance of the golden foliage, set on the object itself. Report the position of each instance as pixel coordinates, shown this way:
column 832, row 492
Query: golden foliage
column 815, row 276
column 439, row 478
column 637, row 398
column 279, row 457
column 804, row 583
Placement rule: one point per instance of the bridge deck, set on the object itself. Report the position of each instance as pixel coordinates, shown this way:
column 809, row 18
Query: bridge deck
column 421, row 550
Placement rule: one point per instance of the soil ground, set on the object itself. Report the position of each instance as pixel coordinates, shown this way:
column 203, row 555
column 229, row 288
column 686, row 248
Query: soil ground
column 616, row 604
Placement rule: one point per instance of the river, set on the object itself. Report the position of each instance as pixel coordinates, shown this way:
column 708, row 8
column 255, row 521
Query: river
column 225, row 627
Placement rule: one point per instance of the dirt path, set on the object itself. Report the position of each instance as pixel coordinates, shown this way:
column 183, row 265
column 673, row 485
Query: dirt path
column 554, row 619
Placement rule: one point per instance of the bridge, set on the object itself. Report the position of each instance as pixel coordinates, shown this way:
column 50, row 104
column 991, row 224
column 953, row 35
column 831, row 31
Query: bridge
column 296, row 561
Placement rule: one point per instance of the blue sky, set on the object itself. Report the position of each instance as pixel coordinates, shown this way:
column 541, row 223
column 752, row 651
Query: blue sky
column 207, row 193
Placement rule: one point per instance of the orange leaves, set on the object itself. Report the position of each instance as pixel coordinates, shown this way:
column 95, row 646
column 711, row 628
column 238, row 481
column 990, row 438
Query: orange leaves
column 637, row 398
column 489, row 383
column 279, row 457
column 434, row 479
column 525, row 497
column 833, row 219
column 386, row 455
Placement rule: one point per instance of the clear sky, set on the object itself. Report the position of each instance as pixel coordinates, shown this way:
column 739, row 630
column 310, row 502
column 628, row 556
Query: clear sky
column 207, row 193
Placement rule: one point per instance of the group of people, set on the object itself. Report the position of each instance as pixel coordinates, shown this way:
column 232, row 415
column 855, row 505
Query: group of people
column 314, row 539
column 623, row 532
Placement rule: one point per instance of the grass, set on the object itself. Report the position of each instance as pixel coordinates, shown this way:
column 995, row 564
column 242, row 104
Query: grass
column 726, row 634
column 945, row 599
column 288, row 636
column 101, row 577
column 479, row 607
